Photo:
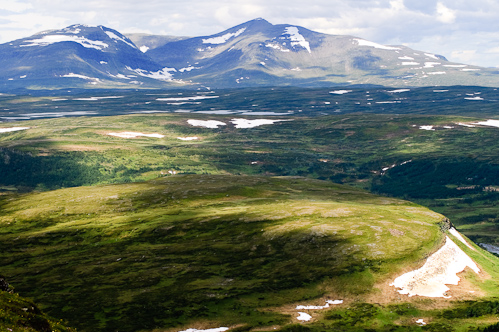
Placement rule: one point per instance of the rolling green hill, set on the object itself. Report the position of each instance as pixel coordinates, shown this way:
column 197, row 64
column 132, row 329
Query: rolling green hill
column 205, row 250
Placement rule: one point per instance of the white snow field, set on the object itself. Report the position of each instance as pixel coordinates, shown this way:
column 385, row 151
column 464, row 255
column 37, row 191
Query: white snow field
column 439, row 270
column 245, row 123
column 8, row 130
column 206, row 123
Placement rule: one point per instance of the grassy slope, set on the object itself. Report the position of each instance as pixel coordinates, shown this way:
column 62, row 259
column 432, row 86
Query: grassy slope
column 20, row 314
column 199, row 248
column 349, row 148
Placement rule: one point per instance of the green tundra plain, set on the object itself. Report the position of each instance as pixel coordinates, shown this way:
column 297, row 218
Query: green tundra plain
column 240, row 225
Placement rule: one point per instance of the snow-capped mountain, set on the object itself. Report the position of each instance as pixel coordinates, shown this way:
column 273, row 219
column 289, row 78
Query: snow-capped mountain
column 255, row 53
column 80, row 56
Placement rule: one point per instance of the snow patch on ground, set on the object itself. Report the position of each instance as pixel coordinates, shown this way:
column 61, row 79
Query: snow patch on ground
column 458, row 235
column 437, row 73
column 8, row 130
column 420, row 322
column 405, row 58
column 440, row 90
column 186, row 98
column 297, row 39
column 218, row 329
column 188, row 138
column 473, row 98
column 439, row 270
column 466, row 125
column 340, row 92
column 318, row 307
column 131, row 134
column 98, row 98
column 144, row 48
column 410, row 63
column 206, row 123
column 491, row 123
column 363, row 42
column 426, row 127
column 52, row 39
column 223, row 39
column 304, row 317
column 399, row 90
column 245, row 123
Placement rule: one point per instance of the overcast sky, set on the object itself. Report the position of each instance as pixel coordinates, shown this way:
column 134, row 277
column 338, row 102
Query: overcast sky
column 461, row 30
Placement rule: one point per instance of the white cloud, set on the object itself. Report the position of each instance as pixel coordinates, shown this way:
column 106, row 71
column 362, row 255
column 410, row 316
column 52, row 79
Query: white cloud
column 14, row 6
column 445, row 14
column 463, row 55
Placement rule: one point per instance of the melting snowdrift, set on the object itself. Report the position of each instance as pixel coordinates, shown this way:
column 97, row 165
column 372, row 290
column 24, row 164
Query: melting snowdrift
column 440, row 269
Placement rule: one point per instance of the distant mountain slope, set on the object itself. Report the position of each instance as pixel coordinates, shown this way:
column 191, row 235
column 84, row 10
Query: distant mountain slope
column 258, row 52
column 77, row 56
column 255, row 53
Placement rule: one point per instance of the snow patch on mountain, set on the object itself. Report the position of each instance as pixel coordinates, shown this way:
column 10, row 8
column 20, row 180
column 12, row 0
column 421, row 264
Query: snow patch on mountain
column 277, row 47
column 52, row 39
column 363, row 42
column 431, row 64
column 117, row 38
column 296, row 38
column 188, row 69
column 399, row 90
column 144, row 48
column 162, row 74
column 340, row 92
column 73, row 75
column 223, row 39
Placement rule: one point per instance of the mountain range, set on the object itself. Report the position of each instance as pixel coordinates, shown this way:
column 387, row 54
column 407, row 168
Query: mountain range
column 255, row 53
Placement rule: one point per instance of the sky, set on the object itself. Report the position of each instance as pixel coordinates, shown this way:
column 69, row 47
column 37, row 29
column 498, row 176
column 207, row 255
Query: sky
column 461, row 30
